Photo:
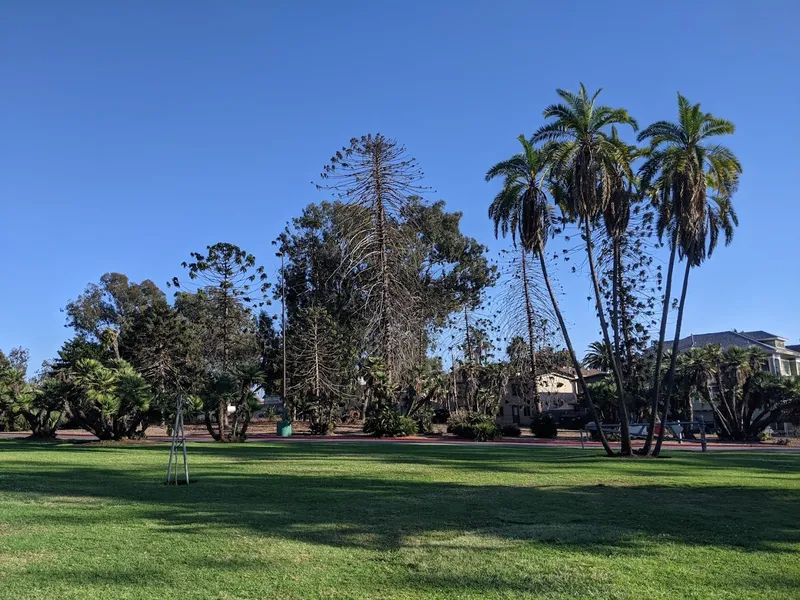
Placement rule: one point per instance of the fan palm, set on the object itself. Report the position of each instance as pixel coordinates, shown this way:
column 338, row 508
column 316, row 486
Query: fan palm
column 522, row 209
column 597, row 357
column 691, row 181
column 588, row 161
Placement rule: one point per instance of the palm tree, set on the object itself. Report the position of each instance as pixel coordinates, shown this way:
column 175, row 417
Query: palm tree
column 522, row 209
column 587, row 161
column 597, row 357
column 682, row 167
column 511, row 212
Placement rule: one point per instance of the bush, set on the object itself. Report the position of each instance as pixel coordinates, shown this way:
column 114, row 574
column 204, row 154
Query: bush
column 321, row 427
column 473, row 426
column 486, row 431
column 441, row 416
column 383, row 421
column 424, row 421
column 405, row 426
column 458, row 423
column 544, row 426
column 512, row 430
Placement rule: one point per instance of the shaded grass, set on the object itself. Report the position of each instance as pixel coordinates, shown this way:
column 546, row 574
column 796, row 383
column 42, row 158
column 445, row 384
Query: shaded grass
column 395, row 521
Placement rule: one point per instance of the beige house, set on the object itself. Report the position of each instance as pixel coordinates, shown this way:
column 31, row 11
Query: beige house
column 558, row 392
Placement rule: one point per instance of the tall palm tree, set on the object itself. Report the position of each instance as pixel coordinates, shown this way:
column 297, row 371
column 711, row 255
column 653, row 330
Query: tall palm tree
column 587, row 160
column 719, row 219
column 522, row 209
column 597, row 357
column 682, row 166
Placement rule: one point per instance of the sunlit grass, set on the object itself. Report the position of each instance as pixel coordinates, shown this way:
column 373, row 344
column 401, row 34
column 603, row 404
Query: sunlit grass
column 384, row 521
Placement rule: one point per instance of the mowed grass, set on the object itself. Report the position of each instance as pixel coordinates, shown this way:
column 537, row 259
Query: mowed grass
column 395, row 521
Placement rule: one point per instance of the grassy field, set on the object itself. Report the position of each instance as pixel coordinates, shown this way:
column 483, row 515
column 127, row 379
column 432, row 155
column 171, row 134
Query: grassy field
column 395, row 521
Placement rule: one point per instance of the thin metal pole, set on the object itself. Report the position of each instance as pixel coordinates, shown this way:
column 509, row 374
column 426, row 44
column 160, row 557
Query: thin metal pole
column 183, row 439
column 172, row 448
column 283, row 327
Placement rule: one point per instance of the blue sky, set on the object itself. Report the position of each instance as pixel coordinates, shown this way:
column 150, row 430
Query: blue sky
column 135, row 133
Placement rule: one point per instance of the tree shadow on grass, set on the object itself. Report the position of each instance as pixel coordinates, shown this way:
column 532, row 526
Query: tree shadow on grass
column 385, row 514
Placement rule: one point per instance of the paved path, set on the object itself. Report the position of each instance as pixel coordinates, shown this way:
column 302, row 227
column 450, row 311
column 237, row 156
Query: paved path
column 443, row 441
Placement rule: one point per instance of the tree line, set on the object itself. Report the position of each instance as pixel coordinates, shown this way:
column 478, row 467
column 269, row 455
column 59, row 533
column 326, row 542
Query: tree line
column 376, row 276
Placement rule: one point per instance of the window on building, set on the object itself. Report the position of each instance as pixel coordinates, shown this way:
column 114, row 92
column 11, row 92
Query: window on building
column 501, row 411
column 516, row 390
column 526, row 411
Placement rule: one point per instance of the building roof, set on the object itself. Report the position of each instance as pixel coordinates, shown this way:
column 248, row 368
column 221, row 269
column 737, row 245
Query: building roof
column 726, row 339
column 795, row 347
column 570, row 372
column 762, row 335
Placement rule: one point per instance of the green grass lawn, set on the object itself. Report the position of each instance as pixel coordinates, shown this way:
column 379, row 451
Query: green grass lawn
column 395, row 521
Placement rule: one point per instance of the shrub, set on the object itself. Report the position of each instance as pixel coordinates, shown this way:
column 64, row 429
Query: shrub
column 473, row 426
column 321, row 427
column 511, row 430
column 458, row 423
column 424, row 421
column 441, row 416
column 383, row 421
column 486, row 431
column 405, row 426
column 544, row 426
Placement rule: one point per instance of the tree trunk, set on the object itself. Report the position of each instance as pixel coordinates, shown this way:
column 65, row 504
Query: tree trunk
column 537, row 402
column 380, row 234
column 625, row 432
column 673, row 360
column 654, row 398
column 212, row 432
column 575, row 364
column 469, row 339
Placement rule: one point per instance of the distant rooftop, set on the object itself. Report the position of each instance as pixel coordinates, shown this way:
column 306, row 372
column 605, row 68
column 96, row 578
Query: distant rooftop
column 762, row 335
column 740, row 339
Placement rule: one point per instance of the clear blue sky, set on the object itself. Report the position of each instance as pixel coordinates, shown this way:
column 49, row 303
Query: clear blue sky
column 134, row 133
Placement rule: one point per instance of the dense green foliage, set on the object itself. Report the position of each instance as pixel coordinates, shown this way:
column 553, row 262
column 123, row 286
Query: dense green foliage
column 544, row 426
column 384, row 421
column 474, row 426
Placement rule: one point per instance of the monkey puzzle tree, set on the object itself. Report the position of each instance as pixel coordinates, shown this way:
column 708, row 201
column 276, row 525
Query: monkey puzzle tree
column 322, row 373
column 228, row 284
column 377, row 179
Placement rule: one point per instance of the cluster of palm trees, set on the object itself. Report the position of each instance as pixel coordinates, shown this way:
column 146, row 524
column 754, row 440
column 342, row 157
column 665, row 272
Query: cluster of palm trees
column 744, row 396
column 577, row 169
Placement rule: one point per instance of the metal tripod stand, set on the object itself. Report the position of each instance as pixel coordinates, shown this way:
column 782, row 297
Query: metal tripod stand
column 178, row 444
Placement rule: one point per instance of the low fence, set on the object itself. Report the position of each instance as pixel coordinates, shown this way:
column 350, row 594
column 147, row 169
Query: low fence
column 675, row 431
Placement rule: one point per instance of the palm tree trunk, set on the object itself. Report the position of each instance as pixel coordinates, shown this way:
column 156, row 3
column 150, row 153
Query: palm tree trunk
column 625, row 432
column 673, row 360
column 660, row 347
column 537, row 402
column 575, row 364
